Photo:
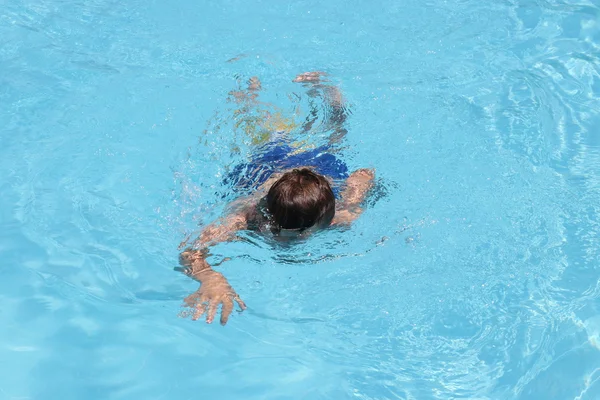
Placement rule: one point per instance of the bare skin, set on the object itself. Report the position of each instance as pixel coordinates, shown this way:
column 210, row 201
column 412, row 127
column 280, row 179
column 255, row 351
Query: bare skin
column 214, row 289
column 319, row 86
column 357, row 186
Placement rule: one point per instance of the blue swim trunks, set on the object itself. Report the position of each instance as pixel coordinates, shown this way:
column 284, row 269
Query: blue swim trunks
column 278, row 156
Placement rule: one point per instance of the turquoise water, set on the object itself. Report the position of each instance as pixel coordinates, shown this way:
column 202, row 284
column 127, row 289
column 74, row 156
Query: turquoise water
column 473, row 273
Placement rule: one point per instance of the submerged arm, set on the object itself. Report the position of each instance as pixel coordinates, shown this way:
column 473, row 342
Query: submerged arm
column 336, row 111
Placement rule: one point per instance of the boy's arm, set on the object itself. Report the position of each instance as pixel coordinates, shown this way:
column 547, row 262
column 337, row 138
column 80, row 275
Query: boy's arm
column 357, row 186
column 214, row 288
column 225, row 228
column 337, row 111
column 222, row 230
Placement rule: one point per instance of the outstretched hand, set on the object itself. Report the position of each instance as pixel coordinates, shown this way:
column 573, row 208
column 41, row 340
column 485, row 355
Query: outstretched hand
column 310, row 77
column 214, row 291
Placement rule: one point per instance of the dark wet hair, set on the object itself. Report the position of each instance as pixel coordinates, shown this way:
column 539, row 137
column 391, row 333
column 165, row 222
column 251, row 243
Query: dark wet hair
column 301, row 199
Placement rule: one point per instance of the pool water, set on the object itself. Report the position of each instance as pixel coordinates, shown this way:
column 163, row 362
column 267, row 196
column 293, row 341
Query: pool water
column 472, row 274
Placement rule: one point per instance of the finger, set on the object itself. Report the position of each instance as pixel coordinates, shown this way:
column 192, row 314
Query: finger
column 226, row 310
column 313, row 76
column 240, row 302
column 199, row 310
column 212, row 310
column 303, row 77
column 191, row 300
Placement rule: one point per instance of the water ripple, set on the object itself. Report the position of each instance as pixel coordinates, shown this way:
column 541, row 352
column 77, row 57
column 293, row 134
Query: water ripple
column 472, row 274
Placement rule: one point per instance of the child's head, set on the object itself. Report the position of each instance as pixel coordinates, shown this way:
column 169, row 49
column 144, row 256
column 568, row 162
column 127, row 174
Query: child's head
column 301, row 199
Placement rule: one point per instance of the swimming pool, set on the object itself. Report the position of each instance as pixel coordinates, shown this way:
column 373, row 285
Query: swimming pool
column 473, row 273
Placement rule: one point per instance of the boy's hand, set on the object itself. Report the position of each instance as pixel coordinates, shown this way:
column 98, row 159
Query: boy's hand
column 214, row 291
column 318, row 80
column 310, row 77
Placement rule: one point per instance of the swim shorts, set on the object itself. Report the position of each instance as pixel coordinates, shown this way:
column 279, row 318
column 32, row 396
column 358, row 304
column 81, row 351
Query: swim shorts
column 278, row 156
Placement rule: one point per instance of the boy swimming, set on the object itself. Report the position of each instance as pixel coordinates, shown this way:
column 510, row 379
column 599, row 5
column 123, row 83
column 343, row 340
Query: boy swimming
column 291, row 194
